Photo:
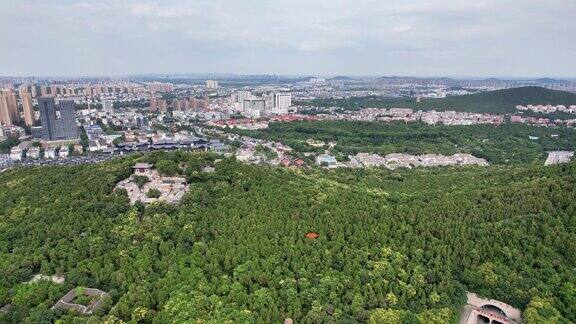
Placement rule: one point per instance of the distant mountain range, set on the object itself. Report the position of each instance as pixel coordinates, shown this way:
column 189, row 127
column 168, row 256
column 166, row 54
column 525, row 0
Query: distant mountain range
column 549, row 80
column 341, row 78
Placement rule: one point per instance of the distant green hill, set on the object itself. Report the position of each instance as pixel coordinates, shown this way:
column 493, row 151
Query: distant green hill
column 498, row 101
column 506, row 144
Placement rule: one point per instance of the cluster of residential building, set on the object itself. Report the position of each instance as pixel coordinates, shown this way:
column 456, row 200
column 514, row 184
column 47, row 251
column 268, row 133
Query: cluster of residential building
column 433, row 117
column 260, row 123
column 98, row 140
column 539, row 121
column 408, row 115
column 160, row 87
column 123, row 142
column 250, row 105
column 547, row 109
column 344, row 88
column 400, row 160
column 485, row 84
column 178, row 104
column 33, row 104
column 12, row 131
column 48, row 151
column 125, row 119
column 73, row 89
column 544, row 122
column 90, row 89
column 145, row 139
column 120, row 116
column 57, row 119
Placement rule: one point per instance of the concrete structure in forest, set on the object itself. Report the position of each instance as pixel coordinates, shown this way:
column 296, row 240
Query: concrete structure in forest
column 556, row 157
column 54, row 278
column 171, row 189
column 480, row 310
column 5, row 309
column 67, row 301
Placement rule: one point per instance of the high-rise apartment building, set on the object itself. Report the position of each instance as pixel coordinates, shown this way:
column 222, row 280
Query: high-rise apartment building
column 13, row 106
column 254, row 103
column 240, row 96
column 28, row 109
column 22, row 90
column 58, row 119
column 34, row 89
column 8, row 108
column 162, row 105
column 211, row 84
column 254, row 107
column 159, row 105
column 108, row 106
column 153, row 104
column 160, row 87
column 96, row 90
column 180, row 105
column 88, row 90
column 192, row 104
column 54, row 90
column 282, row 100
column 5, row 117
column 44, row 91
column 142, row 121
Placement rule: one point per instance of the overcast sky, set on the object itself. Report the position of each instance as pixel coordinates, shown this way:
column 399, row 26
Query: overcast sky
column 522, row 38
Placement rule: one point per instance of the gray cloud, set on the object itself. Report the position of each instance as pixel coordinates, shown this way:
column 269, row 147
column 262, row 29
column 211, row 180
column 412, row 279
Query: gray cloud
column 363, row 37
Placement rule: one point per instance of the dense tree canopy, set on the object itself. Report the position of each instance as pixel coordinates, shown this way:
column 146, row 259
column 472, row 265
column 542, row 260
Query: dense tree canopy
column 506, row 144
column 394, row 245
column 7, row 144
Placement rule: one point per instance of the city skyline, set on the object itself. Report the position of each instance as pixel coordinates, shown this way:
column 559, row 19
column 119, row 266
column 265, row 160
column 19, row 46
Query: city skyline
column 524, row 39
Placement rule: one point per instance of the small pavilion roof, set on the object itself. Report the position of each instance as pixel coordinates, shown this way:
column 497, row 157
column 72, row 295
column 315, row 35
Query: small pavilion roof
column 143, row 166
column 312, row 235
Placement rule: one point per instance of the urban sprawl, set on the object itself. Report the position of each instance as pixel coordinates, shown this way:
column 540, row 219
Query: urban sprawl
column 65, row 122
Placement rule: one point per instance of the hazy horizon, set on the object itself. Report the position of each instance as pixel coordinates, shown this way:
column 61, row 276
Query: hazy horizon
column 223, row 76
column 446, row 38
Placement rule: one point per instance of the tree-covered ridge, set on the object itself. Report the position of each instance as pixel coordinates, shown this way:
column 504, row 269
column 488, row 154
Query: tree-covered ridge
column 393, row 244
column 505, row 144
column 498, row 101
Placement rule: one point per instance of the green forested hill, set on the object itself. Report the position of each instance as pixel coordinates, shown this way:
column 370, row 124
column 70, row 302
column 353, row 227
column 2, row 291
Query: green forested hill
column 498, row 101
column 505, row 144
column 393, row 244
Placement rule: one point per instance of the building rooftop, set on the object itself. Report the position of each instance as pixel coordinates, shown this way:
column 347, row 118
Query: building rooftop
column 312, row 235
column 143, row 166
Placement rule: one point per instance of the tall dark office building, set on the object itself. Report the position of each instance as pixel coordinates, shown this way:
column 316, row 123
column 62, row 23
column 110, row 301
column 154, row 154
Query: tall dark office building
column 58, row 120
